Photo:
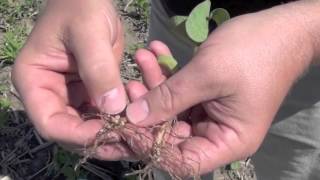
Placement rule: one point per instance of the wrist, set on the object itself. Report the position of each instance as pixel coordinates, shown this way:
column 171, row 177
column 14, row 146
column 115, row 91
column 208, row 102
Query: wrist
column 305, row 15
column 288, row 30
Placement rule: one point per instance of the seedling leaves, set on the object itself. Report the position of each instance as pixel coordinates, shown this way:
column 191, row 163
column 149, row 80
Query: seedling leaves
column 4, row 103
column 168, row 62
column 235, row 165
column 179, row 25
column 197, row 24
column 177, row 20
column 220, row 15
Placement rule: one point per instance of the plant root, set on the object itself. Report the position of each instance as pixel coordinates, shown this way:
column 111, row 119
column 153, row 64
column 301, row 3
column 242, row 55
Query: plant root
column 160, row 153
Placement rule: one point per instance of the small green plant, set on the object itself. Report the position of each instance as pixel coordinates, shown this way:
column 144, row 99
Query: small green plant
column 235, row 165
column 196, row 25
column 144, row 7
column 13, row 41
column 7, row 11
column 3, row 88
column 4, row 111
column 64, row 163
column 4, row 103
column 13, row 11
column 134, row 47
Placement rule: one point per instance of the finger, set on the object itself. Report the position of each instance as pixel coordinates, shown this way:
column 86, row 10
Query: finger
column 143, row 141
column 181, row 131
column 161, row 49
column 74, row 130
column 55, row 121
column 183, row 90
column 77, row 94
column 98, row 62
column 114, row 152
column 139, row 140
column 135, row 90
column 49, row 120
column 108, row 152
column 151, row 71
column 45, row 101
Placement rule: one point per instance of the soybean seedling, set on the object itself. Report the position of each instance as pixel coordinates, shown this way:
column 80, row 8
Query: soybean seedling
column 196, row 25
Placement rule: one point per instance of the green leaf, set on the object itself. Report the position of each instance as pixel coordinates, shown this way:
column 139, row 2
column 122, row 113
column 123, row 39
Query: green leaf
column 13, row 41
column 3, row 88
column 197, row 24
column 69, row 173
column 219, row 15
column 179, row 26
column 5, row 103
column 177, row 20
column 235, row 165
column 168, row 62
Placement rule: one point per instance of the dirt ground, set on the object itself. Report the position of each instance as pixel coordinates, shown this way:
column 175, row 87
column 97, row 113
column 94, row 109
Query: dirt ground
column 24, row 155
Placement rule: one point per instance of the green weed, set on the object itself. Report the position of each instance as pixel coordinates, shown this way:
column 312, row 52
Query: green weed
column 134, row 47
column 14, row 15
column 4, row 111
column 236, row 165
column 64, row 163
column 13, row 41
column 143, row 7
column 13, row 11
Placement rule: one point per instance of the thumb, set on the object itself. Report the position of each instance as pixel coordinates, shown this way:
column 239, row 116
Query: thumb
column 180, row 92
column 98, row 59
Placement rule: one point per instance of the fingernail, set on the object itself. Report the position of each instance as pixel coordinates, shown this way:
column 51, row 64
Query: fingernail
column 137, row 111
column 113, row 101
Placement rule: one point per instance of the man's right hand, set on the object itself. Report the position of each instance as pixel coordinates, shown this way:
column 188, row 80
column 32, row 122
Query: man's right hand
column 72, row 58
column 232, row 87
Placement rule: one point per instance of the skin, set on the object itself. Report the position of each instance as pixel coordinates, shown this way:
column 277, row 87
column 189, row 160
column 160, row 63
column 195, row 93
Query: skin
column 227, row 89
column 67, row 65
column 229, row 86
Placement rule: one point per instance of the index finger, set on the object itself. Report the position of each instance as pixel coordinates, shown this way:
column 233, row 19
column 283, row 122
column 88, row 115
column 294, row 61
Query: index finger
column 46, row 102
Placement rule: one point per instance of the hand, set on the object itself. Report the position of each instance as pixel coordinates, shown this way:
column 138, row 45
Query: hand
column 233, row 86
column 72, row 58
